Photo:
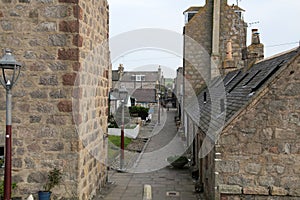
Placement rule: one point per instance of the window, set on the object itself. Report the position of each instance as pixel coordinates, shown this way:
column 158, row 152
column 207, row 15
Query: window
column 140, row 77
column 189, row 15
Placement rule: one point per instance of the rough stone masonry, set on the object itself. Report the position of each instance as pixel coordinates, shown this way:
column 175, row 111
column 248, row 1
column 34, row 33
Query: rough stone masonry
column 60, row 101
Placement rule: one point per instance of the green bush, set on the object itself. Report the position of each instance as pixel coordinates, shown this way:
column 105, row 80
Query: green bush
column 178, row 161
column 141, row 111
column 54, row 178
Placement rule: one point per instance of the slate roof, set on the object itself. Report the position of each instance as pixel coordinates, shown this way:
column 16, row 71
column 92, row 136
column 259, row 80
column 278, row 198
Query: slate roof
column 145, row 95
column 233, row 92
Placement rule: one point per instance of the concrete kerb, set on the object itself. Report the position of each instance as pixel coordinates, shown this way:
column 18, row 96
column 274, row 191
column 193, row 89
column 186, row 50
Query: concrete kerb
column 158, row 127
column 140, row 155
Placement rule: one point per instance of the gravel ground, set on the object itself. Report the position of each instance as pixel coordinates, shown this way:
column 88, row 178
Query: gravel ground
column 137, row 144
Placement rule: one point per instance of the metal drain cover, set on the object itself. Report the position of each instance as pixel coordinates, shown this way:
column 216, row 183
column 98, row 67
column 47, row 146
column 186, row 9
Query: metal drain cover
column 173, row 194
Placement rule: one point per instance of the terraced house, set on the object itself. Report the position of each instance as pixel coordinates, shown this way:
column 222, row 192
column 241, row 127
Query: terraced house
column 133, row 80
column 242, row 124
column 60, row 101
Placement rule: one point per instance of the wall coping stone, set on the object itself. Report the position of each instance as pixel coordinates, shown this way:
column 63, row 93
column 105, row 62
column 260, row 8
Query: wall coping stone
column 230, row 189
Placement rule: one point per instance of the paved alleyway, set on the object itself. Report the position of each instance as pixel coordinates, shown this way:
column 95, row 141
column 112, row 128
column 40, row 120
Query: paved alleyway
column 152, row 168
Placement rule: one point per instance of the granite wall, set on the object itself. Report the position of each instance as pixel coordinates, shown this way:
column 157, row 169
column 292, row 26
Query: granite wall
column 60, row 101
column 198, row 44
column 260, row 147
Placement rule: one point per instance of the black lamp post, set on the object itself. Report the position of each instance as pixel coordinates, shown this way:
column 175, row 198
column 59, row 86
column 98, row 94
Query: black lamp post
column 123, row 93
column 10, row 74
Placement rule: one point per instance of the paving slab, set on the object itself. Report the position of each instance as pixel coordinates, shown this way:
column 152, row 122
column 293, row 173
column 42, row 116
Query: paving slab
column 166, row 182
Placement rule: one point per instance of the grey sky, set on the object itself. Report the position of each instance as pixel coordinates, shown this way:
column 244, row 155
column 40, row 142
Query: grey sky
column 277, row 24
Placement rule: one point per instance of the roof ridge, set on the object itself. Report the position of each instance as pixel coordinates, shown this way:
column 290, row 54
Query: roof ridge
column 277, row 55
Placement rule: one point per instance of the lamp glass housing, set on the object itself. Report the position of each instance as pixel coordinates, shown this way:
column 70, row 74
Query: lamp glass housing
column 123, row 93
column 10, row 69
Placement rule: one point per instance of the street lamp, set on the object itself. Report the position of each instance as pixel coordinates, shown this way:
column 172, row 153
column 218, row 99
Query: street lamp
column 123, row 93
column 158, row 117
column 162, row 97
column 9, row 76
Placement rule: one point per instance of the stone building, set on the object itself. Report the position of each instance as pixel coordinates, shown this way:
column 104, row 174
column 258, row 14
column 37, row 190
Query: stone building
column 248, row 141
column 133, row 80
column 145, row 97
column 243, row 124
column 60, row 101
column 178, row 91
column 207, row 32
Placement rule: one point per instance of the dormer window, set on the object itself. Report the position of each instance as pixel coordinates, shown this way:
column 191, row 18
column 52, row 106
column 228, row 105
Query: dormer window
column 239, row 13
column 189, row 15
column 140, row 78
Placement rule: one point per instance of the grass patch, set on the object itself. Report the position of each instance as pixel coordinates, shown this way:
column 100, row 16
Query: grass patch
column 114, row 146
column 116, row 140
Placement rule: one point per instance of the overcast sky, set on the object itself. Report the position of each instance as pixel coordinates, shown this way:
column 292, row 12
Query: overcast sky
column 277, row 23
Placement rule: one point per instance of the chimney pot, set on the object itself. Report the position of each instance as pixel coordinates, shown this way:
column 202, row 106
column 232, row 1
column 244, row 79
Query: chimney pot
column 255, row 36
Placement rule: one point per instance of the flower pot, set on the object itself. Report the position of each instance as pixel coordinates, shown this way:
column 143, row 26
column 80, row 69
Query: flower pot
column 43, row 195
column 178, row 162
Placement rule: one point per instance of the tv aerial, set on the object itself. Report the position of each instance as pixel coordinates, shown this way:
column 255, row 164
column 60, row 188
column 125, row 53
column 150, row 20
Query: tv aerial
column 252, row 23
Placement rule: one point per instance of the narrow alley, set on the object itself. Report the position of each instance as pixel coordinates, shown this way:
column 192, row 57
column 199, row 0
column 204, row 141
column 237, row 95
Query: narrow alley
column 152, row 169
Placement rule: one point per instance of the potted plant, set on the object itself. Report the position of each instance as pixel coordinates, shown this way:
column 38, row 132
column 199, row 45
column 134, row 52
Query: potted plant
column 178, row 161
column 54, row 178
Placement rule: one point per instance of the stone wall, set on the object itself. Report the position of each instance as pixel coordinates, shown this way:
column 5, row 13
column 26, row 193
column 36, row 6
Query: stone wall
column 260, row 148
column 60, row 101
column 198, row 44
column 232, row 27
column 197, row 49
column 206, row 161
column 254, row 197
column 94, row 86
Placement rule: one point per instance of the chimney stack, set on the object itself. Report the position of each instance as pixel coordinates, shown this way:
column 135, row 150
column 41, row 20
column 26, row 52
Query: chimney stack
column 229, row 63
column 120, row 71
column 255, row 51
column 229, row 50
